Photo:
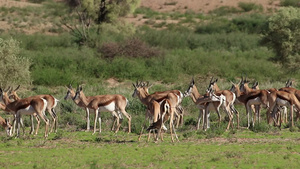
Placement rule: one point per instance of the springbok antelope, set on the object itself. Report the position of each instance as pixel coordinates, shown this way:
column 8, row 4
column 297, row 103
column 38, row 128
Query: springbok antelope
column 283, row 98
column 294, row 91
column 257, row 97
column 71, row 94
column 166, row 112
column 26, row 106
column 153, row 102
column 115, row 104
column 192, row 91
column 244, row 87
column 160, row 95
column 51, row 104
column 5, row 122
column 229, row 95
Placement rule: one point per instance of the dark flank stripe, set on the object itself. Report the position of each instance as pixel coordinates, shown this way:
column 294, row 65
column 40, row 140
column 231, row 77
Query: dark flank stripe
column 284, row 98
column 253, row 96
column 106, row 102
column 23, row 106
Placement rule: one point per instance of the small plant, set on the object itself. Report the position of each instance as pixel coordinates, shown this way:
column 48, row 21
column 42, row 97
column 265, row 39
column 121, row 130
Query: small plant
column 58, row 135
column 170, row 3
column 261, row 127
column 247, row 7
column 132, row 47
column 224, row 10
column 293, row 3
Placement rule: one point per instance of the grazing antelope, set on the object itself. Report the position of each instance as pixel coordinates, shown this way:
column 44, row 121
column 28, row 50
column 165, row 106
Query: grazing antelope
column 153, row 102
column 192, row 91
column 256, row 97
column 26, row 106
column 115, row 104
column 51, row 104
column 5, row 122
column 230, row 98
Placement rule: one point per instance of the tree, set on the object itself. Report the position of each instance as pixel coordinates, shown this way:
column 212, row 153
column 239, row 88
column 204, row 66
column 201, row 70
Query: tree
column 13, row 67
column 283, row 34
column 95, row 12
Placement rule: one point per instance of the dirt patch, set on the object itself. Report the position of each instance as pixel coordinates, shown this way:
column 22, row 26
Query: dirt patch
column 19, row 4
column 203, row 6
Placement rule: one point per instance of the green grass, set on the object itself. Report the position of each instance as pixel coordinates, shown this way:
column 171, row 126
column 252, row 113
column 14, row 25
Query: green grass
column 83, row 150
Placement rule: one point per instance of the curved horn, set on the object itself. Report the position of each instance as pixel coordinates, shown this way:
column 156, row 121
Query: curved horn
column 211, row 79
column 7, row 89
column 17, row 88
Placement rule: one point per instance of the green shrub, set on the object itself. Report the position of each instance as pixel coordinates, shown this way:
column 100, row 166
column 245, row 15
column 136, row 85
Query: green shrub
column 249, row 6
column 254, row 23
column 219, row 26
column 261, row 127
column 224, row 10
column 14, row 67
column 132, row 47
column 293, row 3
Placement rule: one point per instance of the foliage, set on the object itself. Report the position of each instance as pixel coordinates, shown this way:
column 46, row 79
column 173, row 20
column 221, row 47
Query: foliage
column 132, row 47
column 224, row 10
column 90, row 14
column 14, row 67
column 293, row 3
column 283, row 34
column 249, row 6
column 248, row 23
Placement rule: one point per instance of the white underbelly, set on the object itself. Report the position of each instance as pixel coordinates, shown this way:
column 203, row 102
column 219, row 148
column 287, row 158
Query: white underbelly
column 282, row 102
column 110, row 107
column 27, row 111
column 255, row 101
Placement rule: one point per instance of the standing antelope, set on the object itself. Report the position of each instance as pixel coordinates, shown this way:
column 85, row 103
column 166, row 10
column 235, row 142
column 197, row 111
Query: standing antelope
column 5, row 123
column 230, row 98
column 294, row 91
column 257, row 97
column 153, row 102
column 51, row 104
column 160, row 95
column 283, row 98
column 244, row 88
column 71, row 94
column 167, row 110
column 192, row 91
column 26, row 106
column 115, row 104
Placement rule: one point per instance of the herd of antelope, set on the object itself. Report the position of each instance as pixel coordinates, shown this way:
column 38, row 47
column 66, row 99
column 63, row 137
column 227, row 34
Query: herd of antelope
column 161, row 106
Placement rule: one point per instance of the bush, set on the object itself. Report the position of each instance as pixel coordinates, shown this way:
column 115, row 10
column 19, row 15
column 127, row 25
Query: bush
column 293, row 3
column 254, row 23
column 247, row 7
column 282, row 34
column 224, row 10
column 13, row 67
column 132, row 47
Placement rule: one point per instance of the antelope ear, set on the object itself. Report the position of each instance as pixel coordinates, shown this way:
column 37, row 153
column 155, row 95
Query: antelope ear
column 134, row 85
column 216, row 80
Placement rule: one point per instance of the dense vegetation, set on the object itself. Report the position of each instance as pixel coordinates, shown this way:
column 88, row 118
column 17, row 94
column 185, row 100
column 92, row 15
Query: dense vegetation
column 226, row 43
